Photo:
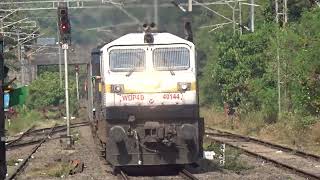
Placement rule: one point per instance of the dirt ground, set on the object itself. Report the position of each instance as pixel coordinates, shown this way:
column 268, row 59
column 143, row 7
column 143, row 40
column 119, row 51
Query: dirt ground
column 51, row 162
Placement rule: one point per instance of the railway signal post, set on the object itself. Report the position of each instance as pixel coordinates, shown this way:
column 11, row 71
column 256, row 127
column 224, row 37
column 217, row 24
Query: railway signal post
column 65, row 41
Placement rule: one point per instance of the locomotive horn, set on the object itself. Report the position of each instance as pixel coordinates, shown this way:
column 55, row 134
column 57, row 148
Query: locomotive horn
column 148, row 37
column 188, row 31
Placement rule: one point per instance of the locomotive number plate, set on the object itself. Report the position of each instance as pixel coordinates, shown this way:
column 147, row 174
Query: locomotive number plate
column 172, row 96
column 133, row 97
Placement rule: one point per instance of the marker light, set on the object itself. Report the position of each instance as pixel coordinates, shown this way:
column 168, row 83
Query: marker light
column 184, row 86
column 117, row 88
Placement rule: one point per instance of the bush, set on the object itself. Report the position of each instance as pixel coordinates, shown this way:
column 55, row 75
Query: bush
column 46, row 91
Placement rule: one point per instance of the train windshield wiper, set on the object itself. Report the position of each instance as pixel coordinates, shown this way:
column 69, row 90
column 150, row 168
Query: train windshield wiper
column 134, row 68
column 171, row 71
column 131, row 71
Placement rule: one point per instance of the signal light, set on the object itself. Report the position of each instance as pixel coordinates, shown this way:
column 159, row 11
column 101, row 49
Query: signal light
column 64, row 25
column 77, row 68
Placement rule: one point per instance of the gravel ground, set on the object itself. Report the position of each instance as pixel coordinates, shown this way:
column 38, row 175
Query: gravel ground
column 45, row 164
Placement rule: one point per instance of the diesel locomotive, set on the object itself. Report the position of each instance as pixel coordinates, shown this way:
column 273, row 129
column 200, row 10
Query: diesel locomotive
column 143, row 100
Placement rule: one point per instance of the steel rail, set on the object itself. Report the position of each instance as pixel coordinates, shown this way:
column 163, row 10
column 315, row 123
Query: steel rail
column 123, row 175
column 264, row 142
column 85, row 123
column 290, row 167
column 24, row 162
column 20, row 137
column 61, row 128
column 187, row 175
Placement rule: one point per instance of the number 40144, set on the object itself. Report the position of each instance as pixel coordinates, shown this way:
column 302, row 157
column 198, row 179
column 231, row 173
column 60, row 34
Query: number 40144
column 171, row 96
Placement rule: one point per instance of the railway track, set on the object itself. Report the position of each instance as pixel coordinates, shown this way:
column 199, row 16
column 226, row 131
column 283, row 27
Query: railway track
column 25, row 161
column 122, row 175
column 20, row 137
column 302, row 163
column 187, row 175
column 33, row 136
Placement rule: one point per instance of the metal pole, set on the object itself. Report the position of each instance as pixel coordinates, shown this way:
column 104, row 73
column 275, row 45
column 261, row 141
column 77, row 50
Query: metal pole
column 156, row 13
column 278, row 77
column 60, row 65
column 3, row 165
column 66, row 90
column 277, row 11
column 19, row 57
column 240, row 17
column 190, row 5
column 59, row 54
column 252, row 15
column 234, row 18
column 285, row 12
column 23, row 66
column 77, row 83
column 278, row 59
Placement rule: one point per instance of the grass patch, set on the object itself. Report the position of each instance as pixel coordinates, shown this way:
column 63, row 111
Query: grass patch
column 301, row 132
column 234, row 162
column 26, row 118
column 75, row 135
column 12, row 162
column 59, row 170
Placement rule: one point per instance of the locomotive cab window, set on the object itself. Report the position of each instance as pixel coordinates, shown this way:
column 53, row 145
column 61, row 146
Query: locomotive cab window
column 167, row 59
column 122, row 60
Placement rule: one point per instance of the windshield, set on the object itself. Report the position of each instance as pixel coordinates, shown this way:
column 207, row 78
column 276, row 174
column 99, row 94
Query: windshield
column 165, row 59
column 127, row 60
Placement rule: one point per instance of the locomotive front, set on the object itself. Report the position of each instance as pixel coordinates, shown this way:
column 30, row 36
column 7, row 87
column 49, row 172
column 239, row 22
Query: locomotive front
column 150, row 112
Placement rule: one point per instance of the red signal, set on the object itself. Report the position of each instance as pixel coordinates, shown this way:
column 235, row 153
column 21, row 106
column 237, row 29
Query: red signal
column 64, row 27
column 77, row 68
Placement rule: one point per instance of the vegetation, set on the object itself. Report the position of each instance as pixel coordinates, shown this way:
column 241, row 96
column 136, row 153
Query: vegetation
column 44, row 103
column 46, row 91
column 233, row 160
column 25, row 119
column 241, row 70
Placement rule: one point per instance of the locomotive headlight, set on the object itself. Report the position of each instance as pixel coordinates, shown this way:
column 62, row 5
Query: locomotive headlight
column 184, row 86
column 116, row 88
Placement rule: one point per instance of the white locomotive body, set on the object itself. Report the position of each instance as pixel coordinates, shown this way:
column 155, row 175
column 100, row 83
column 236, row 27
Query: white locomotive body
column 146, row 100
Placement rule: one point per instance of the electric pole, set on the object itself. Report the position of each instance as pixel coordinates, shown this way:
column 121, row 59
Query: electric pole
column 252, row 15
column 156, row 13
column 190, row 5
column 281, row 16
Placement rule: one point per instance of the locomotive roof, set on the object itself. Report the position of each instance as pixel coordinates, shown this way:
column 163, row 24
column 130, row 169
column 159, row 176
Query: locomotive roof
column 138, row 39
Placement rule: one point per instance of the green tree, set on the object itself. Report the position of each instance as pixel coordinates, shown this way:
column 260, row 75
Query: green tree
column 46, row 91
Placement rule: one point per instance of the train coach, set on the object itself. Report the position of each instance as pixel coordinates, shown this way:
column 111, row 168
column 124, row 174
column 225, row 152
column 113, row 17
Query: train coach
column 144, row 99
